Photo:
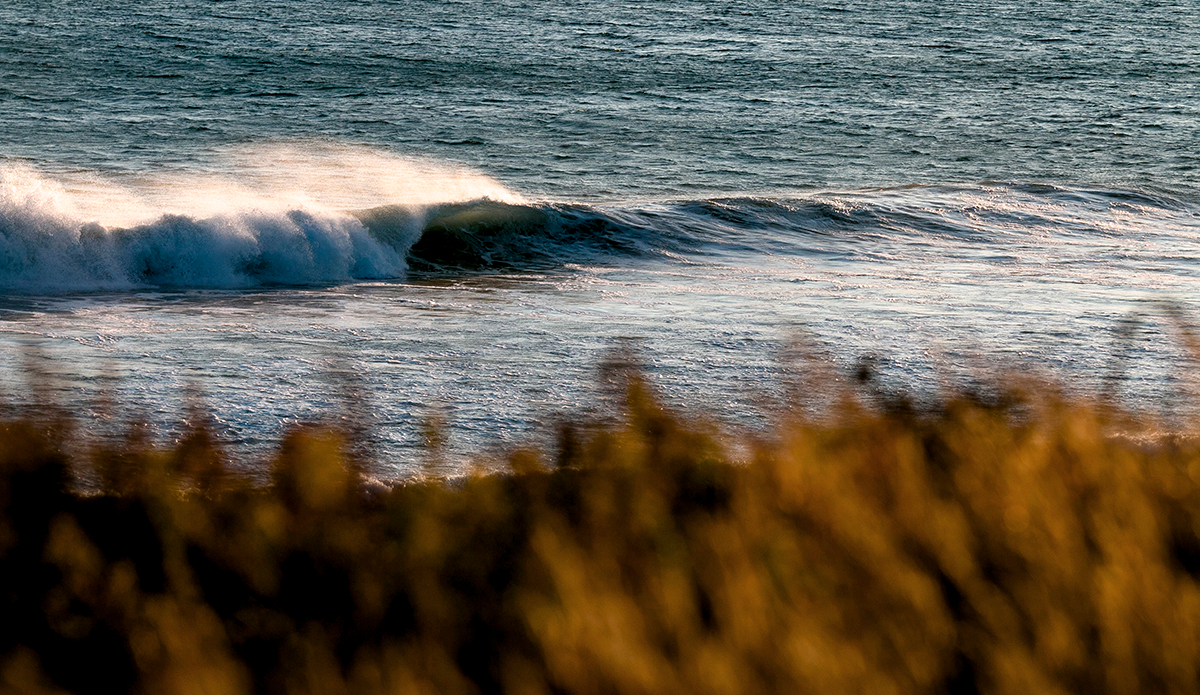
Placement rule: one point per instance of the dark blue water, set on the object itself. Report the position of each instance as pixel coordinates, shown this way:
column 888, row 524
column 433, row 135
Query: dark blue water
column 630, row 100
column 468, row 204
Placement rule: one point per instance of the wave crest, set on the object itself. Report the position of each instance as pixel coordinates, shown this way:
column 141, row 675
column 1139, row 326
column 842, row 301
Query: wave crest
column 43, row 247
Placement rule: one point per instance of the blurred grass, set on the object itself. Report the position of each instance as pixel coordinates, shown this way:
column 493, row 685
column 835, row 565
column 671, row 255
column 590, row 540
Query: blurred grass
column 1006, row 545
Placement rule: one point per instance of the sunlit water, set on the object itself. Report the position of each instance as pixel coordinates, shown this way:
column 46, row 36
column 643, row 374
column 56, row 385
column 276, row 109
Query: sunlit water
column 463, row 209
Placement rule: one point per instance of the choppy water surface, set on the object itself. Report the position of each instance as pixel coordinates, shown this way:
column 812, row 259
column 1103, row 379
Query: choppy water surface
column 465, row 206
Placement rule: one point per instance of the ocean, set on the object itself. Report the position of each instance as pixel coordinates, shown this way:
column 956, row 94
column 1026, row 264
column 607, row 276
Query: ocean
column 461, row 211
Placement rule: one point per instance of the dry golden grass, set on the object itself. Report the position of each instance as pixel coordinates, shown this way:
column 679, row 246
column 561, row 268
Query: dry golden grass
column 1009, row 548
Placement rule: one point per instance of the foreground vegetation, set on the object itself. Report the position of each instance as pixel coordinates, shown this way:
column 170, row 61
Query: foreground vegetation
column 1009, row 546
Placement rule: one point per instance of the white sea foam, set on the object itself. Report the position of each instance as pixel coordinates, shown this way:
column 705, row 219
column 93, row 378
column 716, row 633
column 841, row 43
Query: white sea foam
column 270, row 214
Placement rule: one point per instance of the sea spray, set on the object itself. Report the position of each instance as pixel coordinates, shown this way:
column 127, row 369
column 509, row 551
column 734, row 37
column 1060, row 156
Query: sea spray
column 278, row 216
column 44, row 248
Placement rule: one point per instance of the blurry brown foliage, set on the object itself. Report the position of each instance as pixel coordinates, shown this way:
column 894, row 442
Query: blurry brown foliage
column 1010, row 546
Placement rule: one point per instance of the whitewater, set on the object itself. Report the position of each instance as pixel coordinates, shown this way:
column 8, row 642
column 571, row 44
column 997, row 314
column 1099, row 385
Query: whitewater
column 405, row 212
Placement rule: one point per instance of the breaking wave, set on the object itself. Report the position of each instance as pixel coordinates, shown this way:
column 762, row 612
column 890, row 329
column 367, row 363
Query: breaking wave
column 48, row 245
column 45, row 247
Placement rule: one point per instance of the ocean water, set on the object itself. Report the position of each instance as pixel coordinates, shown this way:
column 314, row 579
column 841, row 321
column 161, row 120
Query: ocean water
column 461, row 210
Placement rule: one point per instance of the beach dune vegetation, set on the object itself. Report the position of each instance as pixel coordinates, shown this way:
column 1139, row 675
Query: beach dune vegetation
column 1021, row 542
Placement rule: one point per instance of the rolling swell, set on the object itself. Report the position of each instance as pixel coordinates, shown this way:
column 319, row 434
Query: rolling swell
column 918, row 220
